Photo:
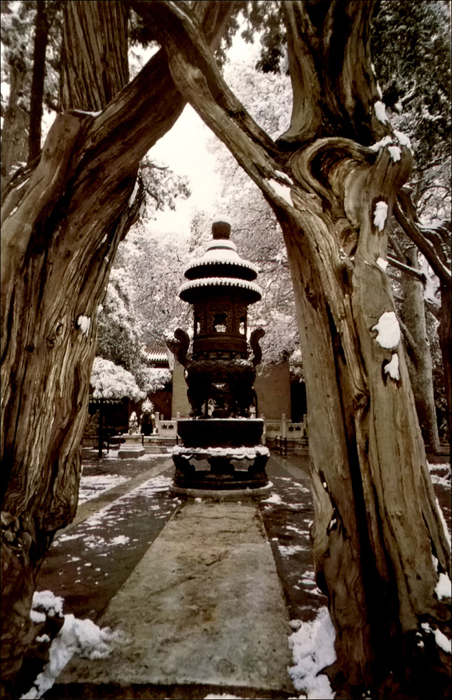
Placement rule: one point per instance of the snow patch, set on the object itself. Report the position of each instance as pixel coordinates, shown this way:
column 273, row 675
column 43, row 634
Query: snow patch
column 93, row 486
column 76, row 636
column 442, row 641
column 388, row 330
column 380, row 112
column 120, row 539
column 385, row 141
column 47, row 600
column 380, row 215
column 283, row 176
column 231, row 452
column 443, row 588
column 84, row 323
column 134, row 194
column 224, row 696
column 312, row 650
column 445, row 479
column 274, row 498
column 402, row 139
column 37, row 617
column 395, row 153
column 392, row 367
column 446, row 529
column 382, row 263
column 288, row 550
column 282, row 191
column 43, row 638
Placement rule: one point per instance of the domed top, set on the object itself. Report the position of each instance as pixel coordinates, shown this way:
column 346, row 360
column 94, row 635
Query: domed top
column 220, row 266
column 221, row 258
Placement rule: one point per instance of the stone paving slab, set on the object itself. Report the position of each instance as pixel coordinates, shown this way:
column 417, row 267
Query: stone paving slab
column 203, row 606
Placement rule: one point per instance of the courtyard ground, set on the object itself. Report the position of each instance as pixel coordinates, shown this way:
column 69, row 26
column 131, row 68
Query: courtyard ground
column 124, row 506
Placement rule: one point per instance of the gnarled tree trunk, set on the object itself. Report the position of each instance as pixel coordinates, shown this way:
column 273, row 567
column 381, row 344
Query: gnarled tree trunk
column 60, row 232
column 379, row 538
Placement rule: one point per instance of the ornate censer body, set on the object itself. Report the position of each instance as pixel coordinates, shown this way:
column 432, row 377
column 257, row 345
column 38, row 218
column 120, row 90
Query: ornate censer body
column 220, row 374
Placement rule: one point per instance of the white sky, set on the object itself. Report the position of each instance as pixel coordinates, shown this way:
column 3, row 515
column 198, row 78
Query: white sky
column 184, row 150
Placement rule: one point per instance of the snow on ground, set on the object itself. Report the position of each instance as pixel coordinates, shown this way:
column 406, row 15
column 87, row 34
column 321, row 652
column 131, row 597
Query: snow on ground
column 288, row 549
column 440, row 474
column 108, row 515
column 93, row 486
column 83, row 637
column 312, row 650
column 274, row 498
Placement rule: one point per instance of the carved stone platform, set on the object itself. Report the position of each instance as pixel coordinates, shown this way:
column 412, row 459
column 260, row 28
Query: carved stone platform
column 223, row 475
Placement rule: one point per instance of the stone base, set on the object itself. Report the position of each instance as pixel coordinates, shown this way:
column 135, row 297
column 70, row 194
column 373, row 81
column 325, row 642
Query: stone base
column 131, row 452
column 222, row 475
column 239, row 494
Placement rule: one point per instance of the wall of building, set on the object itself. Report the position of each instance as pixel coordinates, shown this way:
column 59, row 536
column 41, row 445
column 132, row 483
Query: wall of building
column 273, row 391
column 179, row 403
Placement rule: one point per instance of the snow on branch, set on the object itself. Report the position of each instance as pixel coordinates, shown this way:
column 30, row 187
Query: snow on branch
column 380, row 112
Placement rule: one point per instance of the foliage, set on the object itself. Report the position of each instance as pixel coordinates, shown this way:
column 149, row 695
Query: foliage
column 118, row 329
column 162, row 186
column 110, row 381
column 154, row 379
column 415, row 72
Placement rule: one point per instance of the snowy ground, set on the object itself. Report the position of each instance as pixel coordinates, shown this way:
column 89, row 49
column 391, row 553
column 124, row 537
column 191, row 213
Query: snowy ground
column 92, row 486
column 440, row 474
column 89, row 563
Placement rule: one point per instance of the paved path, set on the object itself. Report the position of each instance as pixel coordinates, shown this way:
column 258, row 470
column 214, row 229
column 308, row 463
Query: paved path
column 203, row 607
column 119, row 540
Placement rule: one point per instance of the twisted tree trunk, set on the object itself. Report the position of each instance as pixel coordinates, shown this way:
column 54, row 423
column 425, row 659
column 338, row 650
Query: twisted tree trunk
column 60, row 232
column 379, row 539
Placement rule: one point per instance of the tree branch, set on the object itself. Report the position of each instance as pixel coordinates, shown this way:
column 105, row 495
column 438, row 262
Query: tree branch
column 193, row 67
column 407, row 269
column 435, row 310
column 426, row 247
column 408, row 337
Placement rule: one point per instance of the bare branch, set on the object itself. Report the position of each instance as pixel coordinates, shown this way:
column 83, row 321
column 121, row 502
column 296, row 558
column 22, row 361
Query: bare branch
column 408, row 270
column 413, row 231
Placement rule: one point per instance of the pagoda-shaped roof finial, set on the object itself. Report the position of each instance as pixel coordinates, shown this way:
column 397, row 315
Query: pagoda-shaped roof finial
column 221, row 230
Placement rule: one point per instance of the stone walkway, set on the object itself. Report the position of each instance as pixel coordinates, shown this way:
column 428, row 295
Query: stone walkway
column 193, row 585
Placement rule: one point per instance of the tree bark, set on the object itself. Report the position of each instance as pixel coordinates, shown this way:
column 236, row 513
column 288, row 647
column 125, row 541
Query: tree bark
column 440, row 263
column 377, row 523
column 37, row 80
column 60, row 232
column 15, row 124
column 419, row 359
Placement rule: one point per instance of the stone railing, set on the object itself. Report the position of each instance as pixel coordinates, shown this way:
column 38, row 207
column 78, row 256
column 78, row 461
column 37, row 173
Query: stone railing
column 284, row 435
